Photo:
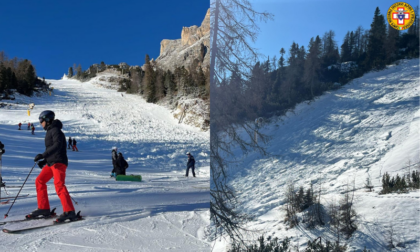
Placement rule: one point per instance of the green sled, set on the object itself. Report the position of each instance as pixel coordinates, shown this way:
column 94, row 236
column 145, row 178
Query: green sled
column 129, row 178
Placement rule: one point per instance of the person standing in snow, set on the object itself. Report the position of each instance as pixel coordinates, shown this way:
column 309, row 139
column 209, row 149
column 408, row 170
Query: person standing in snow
column 53, row 163
column 33, row 129
column 29, row 126
column 70, row 143
column 114, row 161
column 122, row 165
column 20, row 124
column 190, row 164
column 74, row 144
column 2, row 151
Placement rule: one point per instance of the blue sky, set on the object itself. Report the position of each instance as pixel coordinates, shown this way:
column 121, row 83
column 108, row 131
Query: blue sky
column 56, row 34
column 299, row 20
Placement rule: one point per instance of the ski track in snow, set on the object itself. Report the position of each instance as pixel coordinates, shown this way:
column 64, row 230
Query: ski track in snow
column 367, row 128
column 165, row 211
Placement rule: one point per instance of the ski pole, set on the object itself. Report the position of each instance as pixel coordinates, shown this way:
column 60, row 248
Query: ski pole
column 7, row 214
column 75, row 202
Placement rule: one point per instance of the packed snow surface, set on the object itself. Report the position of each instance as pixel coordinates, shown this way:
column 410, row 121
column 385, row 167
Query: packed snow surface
column 165, row 211
column 369, row 127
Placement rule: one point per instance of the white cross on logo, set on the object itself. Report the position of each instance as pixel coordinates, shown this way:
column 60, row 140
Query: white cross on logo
column 401, row 16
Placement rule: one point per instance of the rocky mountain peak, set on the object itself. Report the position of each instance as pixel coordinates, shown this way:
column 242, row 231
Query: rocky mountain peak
column 193, row 44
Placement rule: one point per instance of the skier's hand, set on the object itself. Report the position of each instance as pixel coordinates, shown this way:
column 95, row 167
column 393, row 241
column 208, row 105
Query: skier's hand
column 42, row 163
column 38, row 157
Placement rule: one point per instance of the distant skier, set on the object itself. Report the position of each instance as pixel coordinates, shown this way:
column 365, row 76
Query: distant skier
column 190, row 164
column 114, row 161
column 74, row 144
column 33, row 129
column 70, row 143
column 29, row 126
column 122, row 165
column 20, row 124
column 53, row 163
column 2, row 151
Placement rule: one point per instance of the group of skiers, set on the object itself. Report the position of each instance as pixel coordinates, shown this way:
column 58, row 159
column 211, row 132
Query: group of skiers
column 120, row 164
column 54, row 162
column 30, row 127
column 72, row 144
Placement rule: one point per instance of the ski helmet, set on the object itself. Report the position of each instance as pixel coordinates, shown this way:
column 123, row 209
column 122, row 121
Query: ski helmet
column 188, row 153
column 47, row 116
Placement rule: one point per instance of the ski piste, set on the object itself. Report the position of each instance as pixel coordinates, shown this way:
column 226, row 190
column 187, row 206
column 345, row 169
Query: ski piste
column 52, row 215
column 54, row 223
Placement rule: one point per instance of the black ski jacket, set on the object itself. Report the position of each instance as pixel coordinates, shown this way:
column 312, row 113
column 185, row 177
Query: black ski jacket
column 74, row 141
column 122, row 165
column 114, row 157
column 55, row 144
column 191, row 161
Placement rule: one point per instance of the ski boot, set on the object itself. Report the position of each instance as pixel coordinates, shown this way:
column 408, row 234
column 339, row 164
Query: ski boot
column 71, row 215
column 45, row 213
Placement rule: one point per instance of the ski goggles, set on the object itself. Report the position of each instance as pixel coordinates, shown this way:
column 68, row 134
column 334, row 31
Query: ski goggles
column 41, row 120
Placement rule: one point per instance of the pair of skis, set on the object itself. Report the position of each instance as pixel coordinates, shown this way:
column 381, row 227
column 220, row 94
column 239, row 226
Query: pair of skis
column 51, row 216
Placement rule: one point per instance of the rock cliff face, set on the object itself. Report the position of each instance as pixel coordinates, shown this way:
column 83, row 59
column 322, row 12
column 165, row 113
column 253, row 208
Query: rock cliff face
column 193, row 44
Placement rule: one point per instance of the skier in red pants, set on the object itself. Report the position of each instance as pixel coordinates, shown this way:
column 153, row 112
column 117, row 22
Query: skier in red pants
column 74, row 144
column 53, row 163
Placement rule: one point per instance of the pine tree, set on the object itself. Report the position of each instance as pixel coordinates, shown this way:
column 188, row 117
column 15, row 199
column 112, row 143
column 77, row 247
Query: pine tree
column 330, row 50
column 347, row 214
column 312, row 67
column 70, row 74
column 2, row 77
column 149, row 81
column 376, row 54
column 160, row 87
column 79, row 72
column 103, row 66
column 345, row 48
column 300, row 199
column 391, row 44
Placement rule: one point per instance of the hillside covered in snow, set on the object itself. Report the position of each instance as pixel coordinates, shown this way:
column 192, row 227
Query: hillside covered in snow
column 166, row 211
column 362, row 131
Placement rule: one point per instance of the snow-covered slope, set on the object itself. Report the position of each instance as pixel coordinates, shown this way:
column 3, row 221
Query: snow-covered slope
column 367, row 128
column 165, row 211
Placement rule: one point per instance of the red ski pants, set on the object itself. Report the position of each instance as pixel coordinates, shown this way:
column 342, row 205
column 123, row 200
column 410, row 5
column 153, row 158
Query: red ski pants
column 75, row 148
column 58, row 172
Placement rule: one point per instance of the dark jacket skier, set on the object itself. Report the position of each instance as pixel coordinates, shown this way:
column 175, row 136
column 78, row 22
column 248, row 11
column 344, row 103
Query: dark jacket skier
column 70, row 143
column 74, row 144
column 114, row 161
column 122, row 165
column 53, row 163
column 190, row 164
column 2, row 151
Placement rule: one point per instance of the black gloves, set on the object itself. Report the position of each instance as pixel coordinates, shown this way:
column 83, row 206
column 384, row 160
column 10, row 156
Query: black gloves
column 42, row 163
column 38, row 157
